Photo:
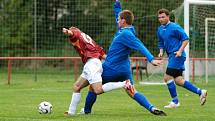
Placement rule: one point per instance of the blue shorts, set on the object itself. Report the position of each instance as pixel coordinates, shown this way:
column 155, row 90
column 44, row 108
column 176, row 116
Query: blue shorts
column 110, row 75
column 176, row 62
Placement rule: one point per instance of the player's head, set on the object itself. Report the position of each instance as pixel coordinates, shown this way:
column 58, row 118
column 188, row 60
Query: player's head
column 126, row 18
column 73, row 28
column 163, row 16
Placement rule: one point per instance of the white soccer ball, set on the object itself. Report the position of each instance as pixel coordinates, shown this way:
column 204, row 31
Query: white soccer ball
column 45, row 107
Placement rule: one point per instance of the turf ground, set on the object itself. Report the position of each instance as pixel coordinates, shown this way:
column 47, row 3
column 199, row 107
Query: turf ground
column 18, row 102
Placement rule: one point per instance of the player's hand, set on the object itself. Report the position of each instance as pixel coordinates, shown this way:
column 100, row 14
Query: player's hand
column 160, row 54
column 156, row 62
column 104, row 56
column 177, row 54
column 67, row 32
column 117, row 4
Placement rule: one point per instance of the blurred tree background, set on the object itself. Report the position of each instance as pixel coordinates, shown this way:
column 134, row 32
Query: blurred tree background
column 33, row 27
column 18, row 19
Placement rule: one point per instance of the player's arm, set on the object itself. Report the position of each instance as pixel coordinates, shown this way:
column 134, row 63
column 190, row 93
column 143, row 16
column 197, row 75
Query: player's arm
column 117, row 10
column 182, row 36
column 160, row 45
column 67, row 32
column 134, row 43
column 179, row 52
column 144, row 51
column 102, row 52
column 160, row 53
column 104, row 56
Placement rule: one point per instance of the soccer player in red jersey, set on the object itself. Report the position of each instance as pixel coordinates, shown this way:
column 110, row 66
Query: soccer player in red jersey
column 91, row 55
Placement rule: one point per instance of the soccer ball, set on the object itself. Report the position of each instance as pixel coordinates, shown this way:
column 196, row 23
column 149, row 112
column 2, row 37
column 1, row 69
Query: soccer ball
column 45, row 107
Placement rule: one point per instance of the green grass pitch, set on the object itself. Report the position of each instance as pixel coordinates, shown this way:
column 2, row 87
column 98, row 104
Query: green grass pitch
column 18, row 102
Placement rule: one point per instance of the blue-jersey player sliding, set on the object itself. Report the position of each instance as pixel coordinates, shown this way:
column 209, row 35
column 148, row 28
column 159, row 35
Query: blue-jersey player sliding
column 117, row 64
column 173, row 40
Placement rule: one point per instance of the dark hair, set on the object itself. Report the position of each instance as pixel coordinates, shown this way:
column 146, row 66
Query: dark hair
column 127, row 15
column 163, row 10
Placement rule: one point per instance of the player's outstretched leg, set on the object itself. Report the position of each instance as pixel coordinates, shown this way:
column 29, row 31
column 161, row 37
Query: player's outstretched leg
column 142, row 100
column 73, row 105
column 172, row 90
column 201, row 92
column 90, row 100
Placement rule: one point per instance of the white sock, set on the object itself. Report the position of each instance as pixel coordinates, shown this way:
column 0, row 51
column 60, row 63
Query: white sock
column 112, row 85
column 74, row 103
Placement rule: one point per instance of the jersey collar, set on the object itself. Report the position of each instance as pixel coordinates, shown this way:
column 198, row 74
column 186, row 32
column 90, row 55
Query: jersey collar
column 164, row 26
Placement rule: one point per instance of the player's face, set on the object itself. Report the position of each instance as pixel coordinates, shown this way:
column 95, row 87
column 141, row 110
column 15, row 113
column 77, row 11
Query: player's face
column 163, row 18
column 121, row 22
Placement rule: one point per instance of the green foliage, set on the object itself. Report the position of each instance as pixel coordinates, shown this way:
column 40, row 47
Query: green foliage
column 29, row 31
column 16, row 25
column 94, row 17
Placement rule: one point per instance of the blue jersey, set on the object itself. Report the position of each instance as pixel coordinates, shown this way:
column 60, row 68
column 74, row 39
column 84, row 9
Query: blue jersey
column 170, row 38
column 119, row 51
column 118, row 54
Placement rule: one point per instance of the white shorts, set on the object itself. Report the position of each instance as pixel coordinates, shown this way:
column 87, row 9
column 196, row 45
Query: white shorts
column 92, row 71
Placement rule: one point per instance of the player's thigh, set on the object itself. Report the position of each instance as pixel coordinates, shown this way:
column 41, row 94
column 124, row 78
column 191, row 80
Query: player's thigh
column 110, row 75
column 175, row 74
column 168, row 77
column 92, row 71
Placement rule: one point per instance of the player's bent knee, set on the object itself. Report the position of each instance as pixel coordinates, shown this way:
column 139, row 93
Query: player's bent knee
column 98, row 91
column 167, row 78
column 179, row 81
column 90, row 88
column 76, row 88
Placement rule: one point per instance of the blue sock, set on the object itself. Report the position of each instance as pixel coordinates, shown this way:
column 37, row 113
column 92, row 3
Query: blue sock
column 90, row 100
column 172, row 90
column 141, row 99
column 192, row 87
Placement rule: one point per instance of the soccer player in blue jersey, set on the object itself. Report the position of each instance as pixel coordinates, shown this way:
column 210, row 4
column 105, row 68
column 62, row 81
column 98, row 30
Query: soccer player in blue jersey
column 173, row 39
column 117, row 64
